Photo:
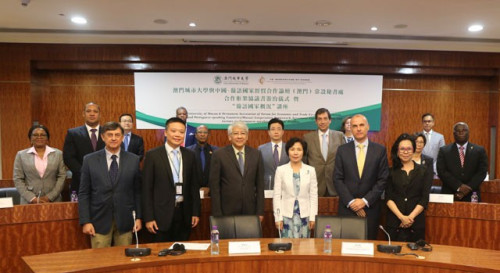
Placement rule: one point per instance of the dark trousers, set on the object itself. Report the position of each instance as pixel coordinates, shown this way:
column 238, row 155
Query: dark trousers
column 178, row 230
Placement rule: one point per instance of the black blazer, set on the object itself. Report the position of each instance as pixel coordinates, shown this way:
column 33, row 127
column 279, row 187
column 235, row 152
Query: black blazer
column 77, row 144
column 453, row 175
column 407, row 197
column 209, row 149
column 135, row 145
column 234, row 193
column 158, row 190
column 100, row 201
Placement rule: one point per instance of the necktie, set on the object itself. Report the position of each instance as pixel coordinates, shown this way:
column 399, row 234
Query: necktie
column 462, row 155
column 175, row 161
column 202, row 157
column 126, row 142
column 113, row 169
column 428, row 136
column 93, row 138
column 240, row 161
column 276, row 155
column 361, row 159
column 324, row 147
column 350, row 139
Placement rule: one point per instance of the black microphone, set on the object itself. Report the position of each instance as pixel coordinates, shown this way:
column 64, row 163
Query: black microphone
column 279, row 246
column 137, row 251
column 388, row 248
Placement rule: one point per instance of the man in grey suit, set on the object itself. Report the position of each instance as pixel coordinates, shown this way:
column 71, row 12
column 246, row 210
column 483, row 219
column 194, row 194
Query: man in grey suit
column 361, row 172
column 110, row 192
column 237, row 176
column 322, row 147
column 435, row 140
column 273, row 152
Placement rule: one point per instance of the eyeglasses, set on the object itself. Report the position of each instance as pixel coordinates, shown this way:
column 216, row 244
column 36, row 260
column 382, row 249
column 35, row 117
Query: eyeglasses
column 239, row 134
column 39, row 135
column 406, row 150
column 427, row 121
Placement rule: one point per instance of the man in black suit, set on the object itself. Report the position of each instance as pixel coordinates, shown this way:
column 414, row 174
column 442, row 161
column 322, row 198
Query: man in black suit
column 462, row 165
column 171, row 189
column 360, row 176
column 237, row 176
column 203, row 152
column 132, row 143
column 110, row 192
column 189, row 138
column 81, row 141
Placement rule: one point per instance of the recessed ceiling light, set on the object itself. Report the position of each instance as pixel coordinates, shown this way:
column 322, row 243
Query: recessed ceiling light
column 240, row 21
column 192, row 24
column 78, row 20
column 475, row 28
column 374, row 28
column 400, row 26
column 322, row 23
column 160, row 21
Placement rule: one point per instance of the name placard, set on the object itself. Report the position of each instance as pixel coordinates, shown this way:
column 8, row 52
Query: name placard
column 441, row 198
column 6, row 202
column 357, row 248
column 248, row 247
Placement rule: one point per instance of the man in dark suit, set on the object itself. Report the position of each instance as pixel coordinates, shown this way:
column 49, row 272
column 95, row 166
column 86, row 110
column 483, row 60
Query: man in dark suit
column 273, row 152
column 462, row 165
column 132, row 143
column 110, row 192
column 189, row 138
column 322, row 147
column 171, row 189
column 203, row 152
column 360, row 176
column 81, row 141
column 237, row 176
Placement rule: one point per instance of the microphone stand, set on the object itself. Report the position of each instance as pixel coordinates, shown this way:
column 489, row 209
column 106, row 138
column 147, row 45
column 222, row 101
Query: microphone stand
column 279, row 247
column 137, row 251
column 388, row 248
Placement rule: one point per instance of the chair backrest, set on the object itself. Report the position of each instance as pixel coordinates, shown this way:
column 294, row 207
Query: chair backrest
column 237, row 226
column 343, row 227
column 11, row 192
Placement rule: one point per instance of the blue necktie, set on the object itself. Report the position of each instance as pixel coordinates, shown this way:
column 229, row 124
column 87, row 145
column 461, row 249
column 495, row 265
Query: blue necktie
column 202, row 157
column 240, row 161
column 125, row 143
column 324, row 147
column 176, row 166
column 113, row 169
column 276, row 155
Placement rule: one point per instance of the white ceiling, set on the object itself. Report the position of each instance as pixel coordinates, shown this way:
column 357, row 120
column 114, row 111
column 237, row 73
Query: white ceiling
column 431, row 25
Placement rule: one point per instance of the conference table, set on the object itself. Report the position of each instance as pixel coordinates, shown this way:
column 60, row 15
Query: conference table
column 306, row 255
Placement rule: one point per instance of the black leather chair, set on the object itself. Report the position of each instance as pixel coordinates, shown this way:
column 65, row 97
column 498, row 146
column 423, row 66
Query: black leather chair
column 343, row 227
column 237, row 226
column 11, row 192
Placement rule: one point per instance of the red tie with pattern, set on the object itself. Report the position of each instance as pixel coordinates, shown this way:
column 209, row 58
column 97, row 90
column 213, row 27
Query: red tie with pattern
column 462, row 155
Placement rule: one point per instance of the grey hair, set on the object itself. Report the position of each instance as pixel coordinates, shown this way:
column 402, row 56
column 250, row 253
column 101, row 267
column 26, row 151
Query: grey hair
column 239, row 124
column 460, row 123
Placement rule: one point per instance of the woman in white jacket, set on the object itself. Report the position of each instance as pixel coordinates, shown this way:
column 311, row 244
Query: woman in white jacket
column 295, row 200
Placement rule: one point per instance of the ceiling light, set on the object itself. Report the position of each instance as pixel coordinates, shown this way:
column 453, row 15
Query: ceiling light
column 160, row 21
column 400, row 26
column 322, row 23
column 475, row 28
column 240, row 21
column 78, row 20
column 374, row 28
column 192, row 24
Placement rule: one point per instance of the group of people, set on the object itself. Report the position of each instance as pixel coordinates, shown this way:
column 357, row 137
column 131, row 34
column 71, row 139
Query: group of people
column 116, row 197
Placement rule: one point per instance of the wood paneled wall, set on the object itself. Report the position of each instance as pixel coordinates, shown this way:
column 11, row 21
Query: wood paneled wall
column 51, row 83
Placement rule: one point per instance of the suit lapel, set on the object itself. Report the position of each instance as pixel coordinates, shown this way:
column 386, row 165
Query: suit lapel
column 165, row 159
column 30, row 159
column 468, row 154
column 103, row 165
column 316, row 143
column 50, row 163
column 85, row 134
column 284, row 157
column 233, row 157
column 456, row 155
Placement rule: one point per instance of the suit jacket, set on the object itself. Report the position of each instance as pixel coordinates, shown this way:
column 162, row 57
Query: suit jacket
column 408, row 196
column 77, row 144
column 135, row 145
column 267, row 151
column 158, row 188
column 452, row 174
column 100, row 200
column 324, row 169
column 29, row 183
column 431, row 148
column 190, row 138
column 204, row 174
column 232, row 192
column 370, row 186
column 284, row 193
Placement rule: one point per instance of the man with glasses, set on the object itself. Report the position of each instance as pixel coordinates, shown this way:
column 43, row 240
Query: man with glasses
column 203, row 154
column 132, row 143
column 435, row 140
column 237, row 176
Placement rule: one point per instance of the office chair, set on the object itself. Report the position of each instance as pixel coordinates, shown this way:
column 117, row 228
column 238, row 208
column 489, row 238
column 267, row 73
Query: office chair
column 343, row 227
column 237, row 226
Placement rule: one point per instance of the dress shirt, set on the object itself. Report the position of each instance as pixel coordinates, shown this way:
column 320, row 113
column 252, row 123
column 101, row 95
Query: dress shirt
column 365, row 149
column 170, row 160
column 280, row 145
column 465, row 147
column 428, row 135
column 320, row 135
column 41, row 163
column 109, row 159
column 236, row 151
column 90, row 133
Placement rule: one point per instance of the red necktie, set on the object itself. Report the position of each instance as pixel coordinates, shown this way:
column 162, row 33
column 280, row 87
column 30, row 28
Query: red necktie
column 462, row 155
